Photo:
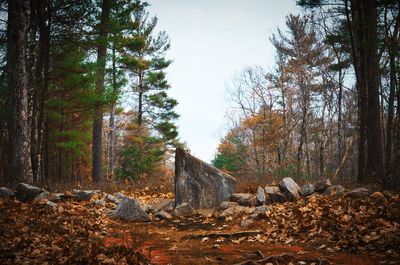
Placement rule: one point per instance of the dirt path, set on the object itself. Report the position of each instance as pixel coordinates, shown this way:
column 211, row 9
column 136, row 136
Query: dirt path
column 169, row 242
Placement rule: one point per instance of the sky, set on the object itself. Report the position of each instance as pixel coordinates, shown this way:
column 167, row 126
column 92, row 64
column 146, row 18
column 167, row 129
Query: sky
column 211, row 40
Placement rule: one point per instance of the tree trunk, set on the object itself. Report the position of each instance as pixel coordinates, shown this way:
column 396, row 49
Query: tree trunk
column 97, row 149
column 20, row 166
column 112, row 116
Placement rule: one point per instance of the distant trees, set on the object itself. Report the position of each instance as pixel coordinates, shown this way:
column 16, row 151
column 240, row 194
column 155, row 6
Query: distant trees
column 339, row 60
column 63, row 67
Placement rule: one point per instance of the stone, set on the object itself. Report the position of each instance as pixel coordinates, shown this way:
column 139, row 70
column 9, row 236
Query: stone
column 322, row 185
column 98, row 202
column 263, row 209
column 274, row 195
column 166, row 204
column 26, row 192
column 261, row 199
column 235, row 211
column 84, row 195
column 129, row 209
column 200, row 184
column 183, row 210
column 358, row 193
column 119, row 196
column 112, row 198
column 45, row 195
column 148, row 208
column 290, row 188
column 163, row 215
column 52, row 204
column 307, row 189
column 246, row 222
column 226, row 205
column 205, row 213
column 335, row 190
column 244, row 199
column 6, row 192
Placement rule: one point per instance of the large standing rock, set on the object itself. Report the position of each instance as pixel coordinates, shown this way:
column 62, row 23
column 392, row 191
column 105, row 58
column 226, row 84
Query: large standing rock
column 6, row 192
column 290, row 188
column 200, row 184
column 26, row 192
column 130, row 210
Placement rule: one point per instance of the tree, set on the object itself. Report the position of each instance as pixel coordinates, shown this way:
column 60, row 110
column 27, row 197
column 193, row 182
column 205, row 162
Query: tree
column 97, row 153
column 20, row 165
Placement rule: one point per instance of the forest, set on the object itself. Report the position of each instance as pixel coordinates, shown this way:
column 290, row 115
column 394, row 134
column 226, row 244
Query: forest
column 93, row 169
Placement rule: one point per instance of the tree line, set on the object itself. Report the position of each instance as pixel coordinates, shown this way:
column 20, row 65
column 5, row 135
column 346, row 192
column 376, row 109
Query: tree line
column 83, row 91
column 330, row 105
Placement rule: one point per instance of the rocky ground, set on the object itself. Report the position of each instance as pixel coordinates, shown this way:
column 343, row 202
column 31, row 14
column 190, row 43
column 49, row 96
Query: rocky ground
column 328, row 226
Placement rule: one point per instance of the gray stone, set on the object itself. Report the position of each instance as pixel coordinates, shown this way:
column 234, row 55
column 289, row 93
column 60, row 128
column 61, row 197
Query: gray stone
column 263, row 209
column 26, row 192
column 226, row 205
column 244, row 199
column 322, row 185
column 100, row 202
column 45, row 195
column 84, row 195
column 235, row 211
column 358, row 193
column 307, row 189
column 165, row 204
column 246, row 222
column 129, row 209
column 120, row 196
column 6, row 192
column 163, row 215
column 290, row 188
column 183, row 210
column 261, row 199
column 148, row 208
column 335, row 190
column 112, row 198
column 274, row 195
column 200, row 184
column 52, row 204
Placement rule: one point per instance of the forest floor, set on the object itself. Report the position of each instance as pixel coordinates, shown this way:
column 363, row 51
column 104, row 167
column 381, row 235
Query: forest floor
column 314, row 230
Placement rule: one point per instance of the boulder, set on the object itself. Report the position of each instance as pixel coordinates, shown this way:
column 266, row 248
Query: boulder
column 129, row 209
column 290, row 188
column 26, row 192
column 183, row 210
column 6, row 192
column 335, row 190
column 322, row 185
column 200, row 184
column 274, row 195
column 244, row 199
column 307, row 189
column 99, row 202
column 358, row 193
column 163, row 215
column 261, row 199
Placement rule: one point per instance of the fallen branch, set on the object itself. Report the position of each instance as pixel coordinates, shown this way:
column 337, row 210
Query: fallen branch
column 227, row 235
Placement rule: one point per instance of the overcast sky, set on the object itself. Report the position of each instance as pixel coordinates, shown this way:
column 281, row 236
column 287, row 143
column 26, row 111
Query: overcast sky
column 210, row 41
